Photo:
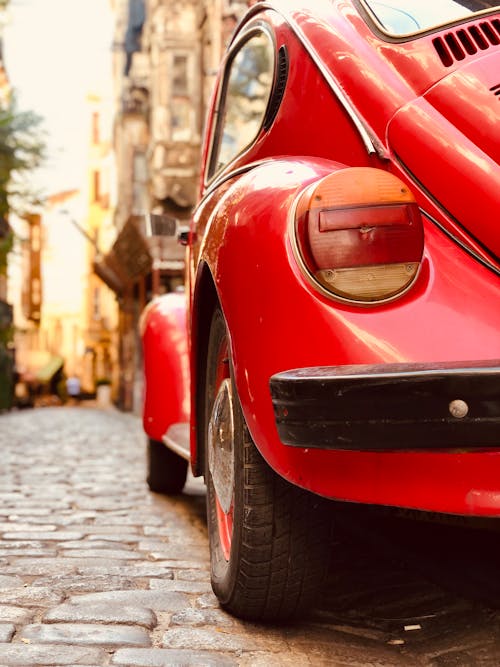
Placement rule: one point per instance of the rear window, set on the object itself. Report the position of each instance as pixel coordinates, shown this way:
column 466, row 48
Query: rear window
column 406, row 17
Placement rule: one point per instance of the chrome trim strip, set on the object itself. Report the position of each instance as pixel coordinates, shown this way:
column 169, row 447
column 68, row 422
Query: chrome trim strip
column 470, row 251
column 450, row 24
column 226, row 176
column 177, row 439
column 238, row 40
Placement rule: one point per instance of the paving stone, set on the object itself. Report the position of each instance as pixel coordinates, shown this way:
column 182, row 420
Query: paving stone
column 198, row 618
column 110, row 537
column 89, row 634
column 61, row 520
column 114, row 554
column 180, row 564
column 218, row 640
column 11, row 614
column 29, row 513
column 207, row 601
column 101, row 611
column 28, row 552
column 134, row 569
column 153, row 544
column 95, row 542
column 128, row 520
column 173, row 658
column 36, row 596
column 194, row 575
column 6, row 632
column 93, row 529
column 10, row 527
column 180, row 585
column 157, row 600
column 26, row 655
column 10, row 582
column 71, row 584
column 36, row 566
column 56, row 535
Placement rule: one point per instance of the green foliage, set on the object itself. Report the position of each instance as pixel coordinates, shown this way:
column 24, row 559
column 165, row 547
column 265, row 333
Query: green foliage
column 102, row 382
column 6, row 244
column 22, row 149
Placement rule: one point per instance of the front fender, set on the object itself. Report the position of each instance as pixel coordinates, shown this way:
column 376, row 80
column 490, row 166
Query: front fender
column 165, row 364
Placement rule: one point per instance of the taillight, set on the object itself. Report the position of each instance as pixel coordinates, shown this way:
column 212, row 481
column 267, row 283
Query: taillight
column 359, row 235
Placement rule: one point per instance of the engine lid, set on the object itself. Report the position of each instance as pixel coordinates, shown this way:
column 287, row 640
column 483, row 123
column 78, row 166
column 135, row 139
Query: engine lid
column 449, row 139
column 470, row 99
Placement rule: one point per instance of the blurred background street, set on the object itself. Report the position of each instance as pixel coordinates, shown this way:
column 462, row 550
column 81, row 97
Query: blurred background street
column 102, row 104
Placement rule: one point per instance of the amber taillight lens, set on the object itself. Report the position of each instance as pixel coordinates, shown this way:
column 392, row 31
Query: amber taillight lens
column 359, row 234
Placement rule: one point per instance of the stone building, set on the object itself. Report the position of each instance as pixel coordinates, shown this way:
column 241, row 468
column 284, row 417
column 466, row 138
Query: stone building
column 165, row 57
column 65, row 318
column 6, row 317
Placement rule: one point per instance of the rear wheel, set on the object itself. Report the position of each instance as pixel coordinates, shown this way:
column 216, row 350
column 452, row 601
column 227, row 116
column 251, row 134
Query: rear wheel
column 167, row 471
column 269, row 540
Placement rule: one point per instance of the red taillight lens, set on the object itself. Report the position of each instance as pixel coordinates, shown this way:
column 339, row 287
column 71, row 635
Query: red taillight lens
column 359, row 234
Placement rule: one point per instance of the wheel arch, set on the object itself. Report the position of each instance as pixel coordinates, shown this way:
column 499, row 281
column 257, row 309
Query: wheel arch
column 205, row 299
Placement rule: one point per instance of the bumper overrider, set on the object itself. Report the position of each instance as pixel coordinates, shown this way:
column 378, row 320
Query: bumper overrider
column 390, row 407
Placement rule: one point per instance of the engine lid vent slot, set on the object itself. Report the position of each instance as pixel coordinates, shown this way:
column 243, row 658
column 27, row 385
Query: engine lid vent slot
column 457, row 45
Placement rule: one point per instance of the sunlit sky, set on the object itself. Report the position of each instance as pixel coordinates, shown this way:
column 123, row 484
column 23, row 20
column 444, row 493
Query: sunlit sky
column 56, row 52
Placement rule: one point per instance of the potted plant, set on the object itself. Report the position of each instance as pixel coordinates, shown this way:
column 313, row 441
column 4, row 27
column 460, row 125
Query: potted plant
column 103, row 391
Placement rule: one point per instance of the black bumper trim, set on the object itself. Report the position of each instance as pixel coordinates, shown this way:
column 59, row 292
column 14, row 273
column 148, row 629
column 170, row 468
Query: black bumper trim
column 390, row 407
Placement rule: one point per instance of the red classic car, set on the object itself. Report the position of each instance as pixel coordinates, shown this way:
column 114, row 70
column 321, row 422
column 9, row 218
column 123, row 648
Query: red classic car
column 339, row 334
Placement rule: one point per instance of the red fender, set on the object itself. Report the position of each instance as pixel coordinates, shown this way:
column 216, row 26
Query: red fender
column 166, row 364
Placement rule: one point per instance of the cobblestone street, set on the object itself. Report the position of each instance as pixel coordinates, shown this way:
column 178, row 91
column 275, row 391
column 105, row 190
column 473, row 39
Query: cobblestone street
column 96, row 570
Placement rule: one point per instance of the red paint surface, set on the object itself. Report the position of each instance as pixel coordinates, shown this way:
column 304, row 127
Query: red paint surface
column 277, row 321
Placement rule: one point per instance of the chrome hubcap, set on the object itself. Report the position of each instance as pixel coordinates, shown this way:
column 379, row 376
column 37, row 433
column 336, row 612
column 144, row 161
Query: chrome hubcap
column 220, row 445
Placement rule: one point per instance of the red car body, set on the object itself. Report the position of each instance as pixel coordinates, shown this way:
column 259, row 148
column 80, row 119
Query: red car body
column 392, row 398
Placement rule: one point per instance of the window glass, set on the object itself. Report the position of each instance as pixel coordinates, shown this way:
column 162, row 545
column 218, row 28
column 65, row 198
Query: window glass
column 180, row 96
column 402, row 17
column 247, row 88
column 180, row 75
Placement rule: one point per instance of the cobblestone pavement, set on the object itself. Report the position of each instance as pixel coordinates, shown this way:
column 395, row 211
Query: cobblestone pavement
column 95, row 570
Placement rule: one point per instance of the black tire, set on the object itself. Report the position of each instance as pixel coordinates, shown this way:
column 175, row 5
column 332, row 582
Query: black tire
column 279, row 552
column 167, row 471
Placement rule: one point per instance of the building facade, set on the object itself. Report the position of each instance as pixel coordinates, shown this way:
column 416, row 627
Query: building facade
column 65, row 319
column 165, row 58
column 6, row 311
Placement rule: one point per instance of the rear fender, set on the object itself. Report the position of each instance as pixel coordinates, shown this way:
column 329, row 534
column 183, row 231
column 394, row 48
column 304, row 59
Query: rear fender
column 166, row 364
column 245, row 201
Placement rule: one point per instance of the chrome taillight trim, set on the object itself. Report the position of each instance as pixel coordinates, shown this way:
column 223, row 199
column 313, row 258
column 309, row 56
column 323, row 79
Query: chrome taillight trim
column 312, row 280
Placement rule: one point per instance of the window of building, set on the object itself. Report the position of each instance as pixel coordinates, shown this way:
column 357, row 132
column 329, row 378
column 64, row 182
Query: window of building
column 95, row 128
column 96, row 183
column 96, row 303
column 181, row 98
column 180, row 75
column 140, row 183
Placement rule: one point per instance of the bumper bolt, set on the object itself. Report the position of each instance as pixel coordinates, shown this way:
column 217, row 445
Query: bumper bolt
column 458, row 409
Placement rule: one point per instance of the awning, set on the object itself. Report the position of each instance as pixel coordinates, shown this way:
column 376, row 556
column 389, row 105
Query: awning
column 145, row 242
column 48, row 370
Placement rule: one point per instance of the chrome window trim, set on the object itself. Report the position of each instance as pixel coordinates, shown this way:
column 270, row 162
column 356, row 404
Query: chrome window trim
column 239, row 42
column 371, row 143
column 224, row 176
